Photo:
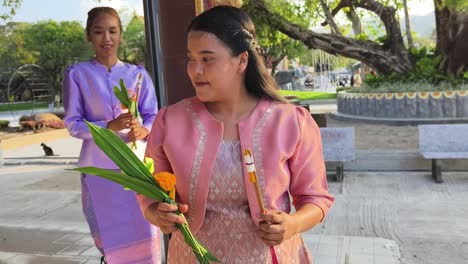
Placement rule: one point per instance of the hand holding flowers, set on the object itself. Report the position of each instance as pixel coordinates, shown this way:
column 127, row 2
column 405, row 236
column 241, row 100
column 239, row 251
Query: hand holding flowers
column 130, row 102
column 163, row 216
column 137, row 131
column 123, row 121
column 138, row 176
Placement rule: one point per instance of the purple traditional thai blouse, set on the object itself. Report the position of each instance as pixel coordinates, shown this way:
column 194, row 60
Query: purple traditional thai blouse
column 88, row 94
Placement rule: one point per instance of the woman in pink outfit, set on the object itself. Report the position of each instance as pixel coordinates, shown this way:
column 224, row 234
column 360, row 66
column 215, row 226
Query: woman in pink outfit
column 202, row 141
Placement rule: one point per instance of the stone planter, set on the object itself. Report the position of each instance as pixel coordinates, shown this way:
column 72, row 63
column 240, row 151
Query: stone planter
column 403, row 106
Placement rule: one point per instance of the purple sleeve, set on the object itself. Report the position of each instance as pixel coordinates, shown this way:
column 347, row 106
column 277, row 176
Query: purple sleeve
column 147, row 102
column 74, row 106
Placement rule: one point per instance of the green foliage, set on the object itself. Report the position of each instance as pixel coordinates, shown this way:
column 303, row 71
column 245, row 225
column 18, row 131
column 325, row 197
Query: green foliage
column 426, row 71
column 362, row 36
column 272, row 42
column 4, row 123
column 459, row 5
column 130, row 103
column 12, row 51
column 424, row 41
column 396, row 87
column 56, row 45
column 11, row 6
column 133, row 47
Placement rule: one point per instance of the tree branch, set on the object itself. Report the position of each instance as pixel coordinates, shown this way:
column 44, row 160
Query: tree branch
column 351, row 15
column 379, row 57
column 386, row 15
column 329, row 18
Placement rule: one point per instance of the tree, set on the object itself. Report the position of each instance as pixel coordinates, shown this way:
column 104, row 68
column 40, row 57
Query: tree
column 390, row 56
column 57, row 44
column 274, row 45
column 408, row 25
column 134, row 43
column 452, row 35
column 12, row 51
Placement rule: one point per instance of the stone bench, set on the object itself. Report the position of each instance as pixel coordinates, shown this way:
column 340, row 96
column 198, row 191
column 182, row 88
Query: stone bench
column 447, row 141
column 338, row 146
column 319, row 116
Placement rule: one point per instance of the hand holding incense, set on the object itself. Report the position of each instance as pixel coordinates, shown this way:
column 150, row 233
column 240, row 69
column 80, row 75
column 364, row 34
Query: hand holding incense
column 249, row 163
column 135, row 99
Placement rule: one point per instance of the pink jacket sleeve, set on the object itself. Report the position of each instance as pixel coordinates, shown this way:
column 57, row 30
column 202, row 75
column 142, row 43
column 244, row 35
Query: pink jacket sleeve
column 307, row 166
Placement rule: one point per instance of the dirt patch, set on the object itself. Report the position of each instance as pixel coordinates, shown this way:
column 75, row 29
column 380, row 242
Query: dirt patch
column 11, row 132
column 13, row 139
column 375, row 136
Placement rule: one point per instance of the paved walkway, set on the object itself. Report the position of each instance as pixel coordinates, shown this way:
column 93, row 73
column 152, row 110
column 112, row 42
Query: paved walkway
column 42, row 221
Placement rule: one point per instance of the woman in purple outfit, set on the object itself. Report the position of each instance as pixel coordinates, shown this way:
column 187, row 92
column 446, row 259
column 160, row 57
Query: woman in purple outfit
column 119, row 231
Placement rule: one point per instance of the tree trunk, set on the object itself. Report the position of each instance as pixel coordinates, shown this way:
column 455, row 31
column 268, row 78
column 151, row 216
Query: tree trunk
column 275, row 63
column 392, row 57
column 452, row 39
column 355, row 20
column 329, row 17
column 407, row 24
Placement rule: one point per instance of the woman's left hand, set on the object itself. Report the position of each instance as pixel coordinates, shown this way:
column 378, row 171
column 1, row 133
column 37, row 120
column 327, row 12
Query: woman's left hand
column 276, row 227
column 137, row 132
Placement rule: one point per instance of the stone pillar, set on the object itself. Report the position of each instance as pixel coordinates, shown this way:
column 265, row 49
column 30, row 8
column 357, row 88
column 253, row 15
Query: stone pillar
column 174, row 17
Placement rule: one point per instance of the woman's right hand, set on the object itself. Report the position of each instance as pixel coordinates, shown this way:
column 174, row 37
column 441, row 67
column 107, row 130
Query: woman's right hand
column 163, row 216
column 121, row 122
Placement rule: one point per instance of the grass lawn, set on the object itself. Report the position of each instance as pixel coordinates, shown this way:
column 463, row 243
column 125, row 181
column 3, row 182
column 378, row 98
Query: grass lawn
column 21, row 106
column 308, row 95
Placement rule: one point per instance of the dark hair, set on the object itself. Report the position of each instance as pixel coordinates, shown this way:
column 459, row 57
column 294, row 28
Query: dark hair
column 95, row 12
column 236, row 30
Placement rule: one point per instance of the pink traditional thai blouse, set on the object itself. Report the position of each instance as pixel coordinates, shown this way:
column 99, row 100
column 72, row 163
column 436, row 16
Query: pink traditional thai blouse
column 285, row 143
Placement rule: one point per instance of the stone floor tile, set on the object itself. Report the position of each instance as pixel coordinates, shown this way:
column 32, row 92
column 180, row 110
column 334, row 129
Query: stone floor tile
column 5, row 256
column 74, row 250
column 361, row 259
column 336, row 240
column 70, row 238
column 93, row 262
column 86, row 240
column 92, row 252
column 327, row 249
column 386, row 260
column 321, row 259
column 31, row 259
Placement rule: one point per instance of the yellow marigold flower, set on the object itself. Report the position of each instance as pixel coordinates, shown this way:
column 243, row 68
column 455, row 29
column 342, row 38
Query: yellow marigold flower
column 166, row 180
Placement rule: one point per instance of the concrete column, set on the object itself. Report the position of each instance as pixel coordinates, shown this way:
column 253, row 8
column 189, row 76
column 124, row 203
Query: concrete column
column 174, row 17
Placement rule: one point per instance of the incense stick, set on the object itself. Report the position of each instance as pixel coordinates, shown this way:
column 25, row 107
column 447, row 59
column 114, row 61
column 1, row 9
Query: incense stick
column 249, row 163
